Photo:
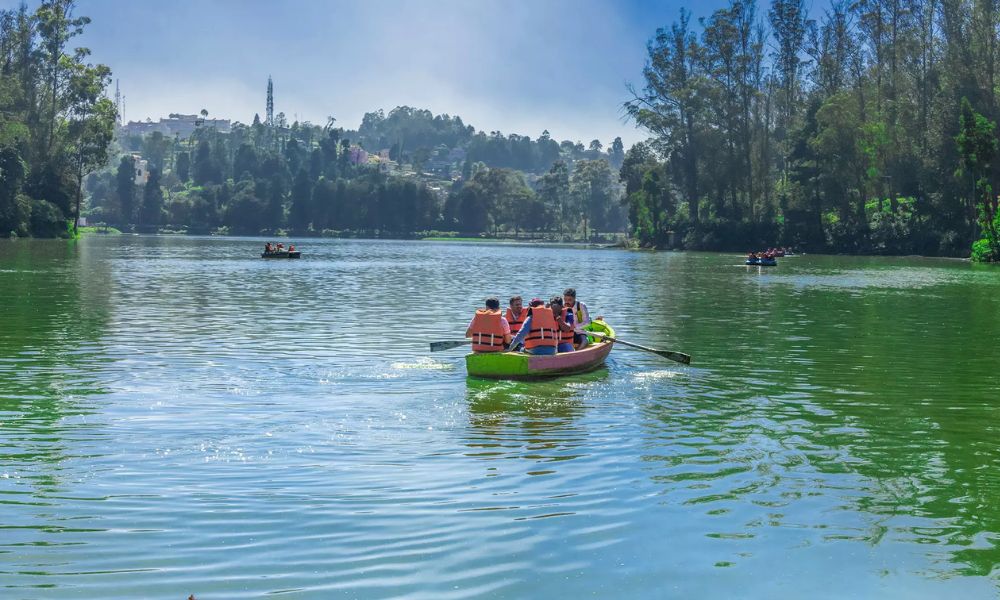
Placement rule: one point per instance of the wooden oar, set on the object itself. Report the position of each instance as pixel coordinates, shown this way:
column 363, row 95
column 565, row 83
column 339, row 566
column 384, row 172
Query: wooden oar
column 677, row 356
column 448, row 344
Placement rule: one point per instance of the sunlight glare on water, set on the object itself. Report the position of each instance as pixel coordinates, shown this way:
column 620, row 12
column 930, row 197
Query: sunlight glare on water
column 178, row 416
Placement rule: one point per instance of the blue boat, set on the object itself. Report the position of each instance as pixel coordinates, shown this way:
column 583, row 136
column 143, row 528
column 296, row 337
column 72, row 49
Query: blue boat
column 762, row 262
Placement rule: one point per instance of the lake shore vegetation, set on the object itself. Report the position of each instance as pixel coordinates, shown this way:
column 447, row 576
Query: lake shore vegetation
column 869, row 130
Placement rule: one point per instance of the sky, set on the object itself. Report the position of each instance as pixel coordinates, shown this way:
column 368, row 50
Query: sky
column 517, row 66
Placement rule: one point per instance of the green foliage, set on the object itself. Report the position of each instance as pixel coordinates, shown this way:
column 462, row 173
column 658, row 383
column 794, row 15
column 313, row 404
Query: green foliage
column 983, row 251
column 151, row 213
column 53, row 118
column 977, row 146
column 125, row 189
column 183, row 167
column 882, row 141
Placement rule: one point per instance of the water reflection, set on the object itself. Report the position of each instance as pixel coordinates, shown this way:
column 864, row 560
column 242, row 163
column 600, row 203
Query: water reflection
column 55, row 311
column 535, row 421
column 838, row 406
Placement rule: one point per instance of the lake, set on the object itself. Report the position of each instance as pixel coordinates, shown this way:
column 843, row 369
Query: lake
column 178, row 416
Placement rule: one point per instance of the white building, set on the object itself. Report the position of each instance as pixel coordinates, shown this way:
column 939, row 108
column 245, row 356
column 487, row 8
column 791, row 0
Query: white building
column 141, row 169
column 177, row 125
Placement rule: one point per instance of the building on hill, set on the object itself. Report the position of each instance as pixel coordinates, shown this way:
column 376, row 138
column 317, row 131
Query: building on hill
column 176, row 125
column 141, row 169
column 358, row 155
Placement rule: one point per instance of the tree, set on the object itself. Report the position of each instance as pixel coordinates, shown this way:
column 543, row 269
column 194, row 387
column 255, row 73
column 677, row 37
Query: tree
column 616, row 153
column 788, row 21
column 183, row 166
column 125, row 189
column 15, row 207
column 670, row 106
column 553, row 192
column 52, row 115
column 977, row 145
column 300, row 210
column 90, row 131
column 245, row 162
column 206, row 168
column 151, row 212
column 593, row 183
column 155, row 148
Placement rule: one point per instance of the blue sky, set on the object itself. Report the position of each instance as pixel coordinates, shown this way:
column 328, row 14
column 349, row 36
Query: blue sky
column 519, row 66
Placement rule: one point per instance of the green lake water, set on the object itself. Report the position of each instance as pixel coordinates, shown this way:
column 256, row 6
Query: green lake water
column 178, row 416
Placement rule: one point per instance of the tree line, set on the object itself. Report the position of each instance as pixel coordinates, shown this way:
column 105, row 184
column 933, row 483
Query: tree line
column 55, row 123
column 869, row 130
column 59, row 156
column 308, row 181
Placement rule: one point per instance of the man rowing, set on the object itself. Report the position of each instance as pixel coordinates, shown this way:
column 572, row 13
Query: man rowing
column 581, row 317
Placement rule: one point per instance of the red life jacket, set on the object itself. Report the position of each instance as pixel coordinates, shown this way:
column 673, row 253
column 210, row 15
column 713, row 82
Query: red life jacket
column 515, row 323
column 487, row 332
column 544, row 329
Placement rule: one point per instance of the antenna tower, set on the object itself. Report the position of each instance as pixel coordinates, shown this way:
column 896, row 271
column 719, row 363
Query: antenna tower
column 270, row 102
column 118, row 104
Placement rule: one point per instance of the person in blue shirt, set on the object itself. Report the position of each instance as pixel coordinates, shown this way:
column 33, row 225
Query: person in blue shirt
column 557, row 309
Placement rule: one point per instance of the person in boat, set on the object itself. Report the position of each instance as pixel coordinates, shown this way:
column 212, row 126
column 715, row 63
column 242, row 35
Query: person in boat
column 540, row 332
column 516, row 314
column 581, row 317
column 281, row 247
column 565, row 319
column 267, row 247
column 488, row 329
column 291, row 247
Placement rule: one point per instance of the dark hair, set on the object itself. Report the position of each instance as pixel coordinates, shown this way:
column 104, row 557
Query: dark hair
column 492, row 303
column 570, row 292
column 556, row 300
column 513, row 298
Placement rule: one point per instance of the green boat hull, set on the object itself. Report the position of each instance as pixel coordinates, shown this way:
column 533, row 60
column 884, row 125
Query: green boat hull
column 518, row 365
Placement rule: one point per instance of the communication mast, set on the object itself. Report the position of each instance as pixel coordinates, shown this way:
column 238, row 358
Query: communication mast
column 270, row 102
column 118, row 105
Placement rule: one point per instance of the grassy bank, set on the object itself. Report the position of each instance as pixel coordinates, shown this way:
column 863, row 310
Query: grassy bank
column 100, row 230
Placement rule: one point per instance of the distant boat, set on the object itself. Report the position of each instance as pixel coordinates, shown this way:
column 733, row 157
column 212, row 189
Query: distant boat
column 762, row 262
column 283, row 254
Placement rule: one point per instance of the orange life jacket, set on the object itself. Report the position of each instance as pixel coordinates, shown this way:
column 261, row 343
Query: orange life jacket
column 487, row 332
column 515, row 323
column 566, row 337
column 544, row 329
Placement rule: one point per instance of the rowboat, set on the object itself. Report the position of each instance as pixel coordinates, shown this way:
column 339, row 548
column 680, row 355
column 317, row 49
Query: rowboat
column 762, row 262
column 518, row 365
column 296, row 254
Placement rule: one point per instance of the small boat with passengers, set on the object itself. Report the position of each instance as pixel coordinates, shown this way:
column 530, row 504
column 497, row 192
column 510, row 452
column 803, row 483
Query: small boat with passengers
column 762, row 262
column 520, row 365
column 282, row 254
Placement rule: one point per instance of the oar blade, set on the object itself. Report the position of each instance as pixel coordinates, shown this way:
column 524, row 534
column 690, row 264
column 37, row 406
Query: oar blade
column 447, row 345
column 676, row 356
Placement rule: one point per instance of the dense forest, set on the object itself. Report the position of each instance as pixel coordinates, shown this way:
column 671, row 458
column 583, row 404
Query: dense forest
column 869, row 130
column 426, row 172
column 433, row 174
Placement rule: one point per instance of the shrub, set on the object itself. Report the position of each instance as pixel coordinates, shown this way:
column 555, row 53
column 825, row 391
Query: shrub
column 983, row 252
